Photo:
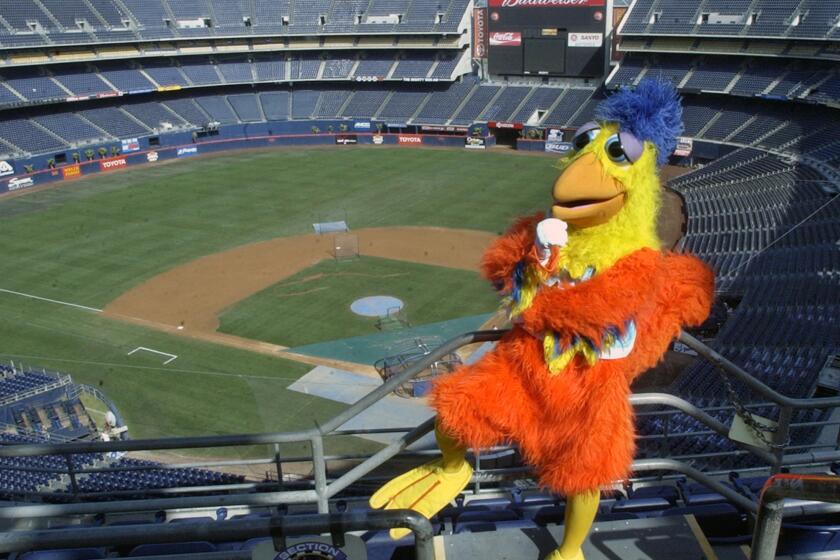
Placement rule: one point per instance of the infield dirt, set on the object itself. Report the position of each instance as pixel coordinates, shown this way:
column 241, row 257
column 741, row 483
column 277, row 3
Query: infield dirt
column 188, row 299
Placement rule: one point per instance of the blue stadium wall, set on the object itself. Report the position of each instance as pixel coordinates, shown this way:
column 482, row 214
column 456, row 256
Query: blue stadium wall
column 230, row 137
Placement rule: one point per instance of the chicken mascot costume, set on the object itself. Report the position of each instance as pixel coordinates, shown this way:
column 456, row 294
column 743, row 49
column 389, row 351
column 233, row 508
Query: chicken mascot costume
column 594, row 302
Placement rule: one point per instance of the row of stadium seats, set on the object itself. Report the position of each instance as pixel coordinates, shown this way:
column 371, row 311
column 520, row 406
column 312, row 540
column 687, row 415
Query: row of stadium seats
column 753, row 18
column 56, row 22
column 747, row 77
column 40, row 416
column 769, row 228
column 720, row 522
column 460, row 103
column 14, row 382
column 139, row 474
column 65, row 81
column 65, row 418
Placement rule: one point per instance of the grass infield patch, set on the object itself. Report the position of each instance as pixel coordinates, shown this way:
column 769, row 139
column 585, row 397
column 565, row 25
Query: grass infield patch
column 314, row 305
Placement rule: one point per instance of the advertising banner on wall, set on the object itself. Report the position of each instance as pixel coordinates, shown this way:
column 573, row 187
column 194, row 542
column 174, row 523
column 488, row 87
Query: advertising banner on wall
column 71, row 171
column 586, row 39
column 20, row 183
column 6, row 169
column 684, row 147
column 378, row 139
column 557, row 147
column 409, row 139
column 112, row 164
column 131, row 145
column 346, row 139
column 546, row 3
column 187, row 151
column 480, row 35
column 474, row 143
column 505, row 39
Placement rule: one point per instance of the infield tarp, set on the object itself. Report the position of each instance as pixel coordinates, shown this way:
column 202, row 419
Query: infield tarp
column 368, row 349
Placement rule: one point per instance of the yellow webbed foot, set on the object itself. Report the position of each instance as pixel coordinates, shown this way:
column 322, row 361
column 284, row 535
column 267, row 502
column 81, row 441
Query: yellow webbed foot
column 557, row 556
column 426, row 489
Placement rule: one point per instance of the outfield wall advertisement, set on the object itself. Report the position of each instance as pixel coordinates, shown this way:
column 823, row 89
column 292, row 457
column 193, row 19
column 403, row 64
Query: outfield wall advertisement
column 170, row 150
column 71, row 171
column 112, row 164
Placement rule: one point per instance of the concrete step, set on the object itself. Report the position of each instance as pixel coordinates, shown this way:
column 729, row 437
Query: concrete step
column 662, row 538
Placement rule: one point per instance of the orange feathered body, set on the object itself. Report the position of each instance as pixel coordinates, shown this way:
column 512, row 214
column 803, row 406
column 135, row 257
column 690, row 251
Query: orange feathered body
column 575, row 427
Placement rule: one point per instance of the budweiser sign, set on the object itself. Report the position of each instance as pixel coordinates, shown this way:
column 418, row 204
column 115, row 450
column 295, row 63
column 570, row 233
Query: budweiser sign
column 545, row 3
column 505, row 39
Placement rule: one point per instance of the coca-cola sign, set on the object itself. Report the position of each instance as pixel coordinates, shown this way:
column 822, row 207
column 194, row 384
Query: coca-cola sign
column 505, row 39
column 546, row 3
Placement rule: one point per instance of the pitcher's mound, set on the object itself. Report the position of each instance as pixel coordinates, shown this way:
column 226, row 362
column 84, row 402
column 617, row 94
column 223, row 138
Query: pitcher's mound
column 376, row 306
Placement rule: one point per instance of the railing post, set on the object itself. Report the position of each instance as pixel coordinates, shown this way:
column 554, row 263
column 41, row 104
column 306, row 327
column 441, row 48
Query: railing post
column 319, row 468
column 822, row 488
column 72, row 472
column 477, row 483
column 279, row 465
column 781, row 437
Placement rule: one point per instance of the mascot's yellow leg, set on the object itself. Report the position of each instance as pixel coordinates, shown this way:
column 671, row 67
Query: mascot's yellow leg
column 580, row 513
column 430, row 487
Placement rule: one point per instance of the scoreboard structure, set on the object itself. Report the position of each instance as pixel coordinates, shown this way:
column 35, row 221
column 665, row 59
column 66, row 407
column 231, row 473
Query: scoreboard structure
column 561, row 38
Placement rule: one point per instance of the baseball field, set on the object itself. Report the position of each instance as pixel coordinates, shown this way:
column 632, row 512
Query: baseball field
column 213, row 260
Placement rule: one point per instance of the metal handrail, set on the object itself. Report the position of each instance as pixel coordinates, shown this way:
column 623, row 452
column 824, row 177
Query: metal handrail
column 197, row 442
column 28, row 450
column 822, row 488
column 751, row 382
column 325, row 489
column 277, row 527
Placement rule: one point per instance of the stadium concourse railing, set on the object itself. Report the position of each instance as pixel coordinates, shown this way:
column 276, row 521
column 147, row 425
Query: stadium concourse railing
column 322, row 488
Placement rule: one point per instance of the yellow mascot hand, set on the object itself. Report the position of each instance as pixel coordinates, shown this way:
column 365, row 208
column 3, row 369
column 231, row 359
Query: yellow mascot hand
column 429, row 488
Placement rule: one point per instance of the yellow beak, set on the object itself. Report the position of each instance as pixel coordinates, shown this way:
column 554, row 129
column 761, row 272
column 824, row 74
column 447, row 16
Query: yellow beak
column 585, row 195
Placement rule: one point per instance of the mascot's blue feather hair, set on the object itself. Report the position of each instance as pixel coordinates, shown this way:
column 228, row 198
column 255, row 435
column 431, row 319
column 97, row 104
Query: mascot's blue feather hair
column 650, row 112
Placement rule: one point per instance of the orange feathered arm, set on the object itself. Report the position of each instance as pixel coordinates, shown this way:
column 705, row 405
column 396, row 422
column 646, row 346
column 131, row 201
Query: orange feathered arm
column 607, row 300
column 684, row 299
column 688, row 290
column 504, row 253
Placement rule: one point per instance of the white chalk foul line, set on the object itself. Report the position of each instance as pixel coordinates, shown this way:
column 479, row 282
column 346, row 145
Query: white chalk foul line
column 172, row 357
column 68, row 304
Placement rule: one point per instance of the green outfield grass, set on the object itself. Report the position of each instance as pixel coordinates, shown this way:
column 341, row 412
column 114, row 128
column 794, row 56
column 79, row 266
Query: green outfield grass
column 88, row 241
column 316, row 301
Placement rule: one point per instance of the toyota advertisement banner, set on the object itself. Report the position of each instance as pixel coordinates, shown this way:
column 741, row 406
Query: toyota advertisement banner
column 480, row 34
column 409, row 140
column 112, row 164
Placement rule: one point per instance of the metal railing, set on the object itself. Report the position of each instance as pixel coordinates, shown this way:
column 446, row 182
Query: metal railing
column 770, row 511
column 322, row 488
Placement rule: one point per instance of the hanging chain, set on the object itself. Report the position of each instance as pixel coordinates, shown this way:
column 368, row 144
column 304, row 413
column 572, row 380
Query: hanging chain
column 759, row 430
